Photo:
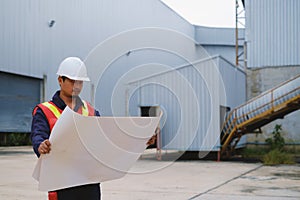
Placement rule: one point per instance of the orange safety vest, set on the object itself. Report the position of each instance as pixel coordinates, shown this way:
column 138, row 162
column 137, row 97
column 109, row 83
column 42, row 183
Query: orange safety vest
column 52, row 112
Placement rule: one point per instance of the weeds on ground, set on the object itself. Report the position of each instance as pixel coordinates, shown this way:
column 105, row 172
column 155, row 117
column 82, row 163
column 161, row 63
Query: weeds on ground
column 276, row 154
column 254, row 153
column 275, row 157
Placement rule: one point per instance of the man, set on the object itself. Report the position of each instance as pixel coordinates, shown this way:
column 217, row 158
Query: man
column 71, row 74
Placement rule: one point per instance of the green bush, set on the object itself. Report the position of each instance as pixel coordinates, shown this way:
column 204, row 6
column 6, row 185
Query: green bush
column 15, row 139
column 275, row 157
column 277, row 141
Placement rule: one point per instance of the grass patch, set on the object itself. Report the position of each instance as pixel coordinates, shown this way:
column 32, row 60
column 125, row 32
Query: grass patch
column 276, row 157
column 270, row 157
column 254, row 153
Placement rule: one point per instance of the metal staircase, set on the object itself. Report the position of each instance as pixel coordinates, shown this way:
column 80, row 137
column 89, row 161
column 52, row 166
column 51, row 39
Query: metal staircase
column 259, row 111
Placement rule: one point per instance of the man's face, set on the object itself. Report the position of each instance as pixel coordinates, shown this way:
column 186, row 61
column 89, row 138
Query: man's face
column 70, row 87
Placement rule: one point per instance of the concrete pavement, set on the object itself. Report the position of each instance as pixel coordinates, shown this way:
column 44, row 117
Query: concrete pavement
column 166, row 179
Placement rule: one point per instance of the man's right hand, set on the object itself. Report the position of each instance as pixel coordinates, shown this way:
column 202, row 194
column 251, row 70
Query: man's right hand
column 44, row 147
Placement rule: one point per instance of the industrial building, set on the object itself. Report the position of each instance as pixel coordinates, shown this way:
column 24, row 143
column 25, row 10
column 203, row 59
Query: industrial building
column 143, row 57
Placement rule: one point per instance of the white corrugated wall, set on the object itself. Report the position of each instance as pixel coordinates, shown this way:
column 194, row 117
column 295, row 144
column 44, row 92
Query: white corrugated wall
column 272, row 32
column 30, row 47
column 188, row 125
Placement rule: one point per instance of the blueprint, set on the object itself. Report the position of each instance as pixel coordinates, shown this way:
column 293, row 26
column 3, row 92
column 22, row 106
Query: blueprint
column 88, row 150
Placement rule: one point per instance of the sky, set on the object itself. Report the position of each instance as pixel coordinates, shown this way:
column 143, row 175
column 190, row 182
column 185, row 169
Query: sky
column 212, row 13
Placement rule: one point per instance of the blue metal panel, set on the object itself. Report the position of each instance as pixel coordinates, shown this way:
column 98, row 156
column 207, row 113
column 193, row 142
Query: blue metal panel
column 272, row 32
column 219, row 41
column 235, row 83
column 228, row 52
column 18, row 96
column 216, row 36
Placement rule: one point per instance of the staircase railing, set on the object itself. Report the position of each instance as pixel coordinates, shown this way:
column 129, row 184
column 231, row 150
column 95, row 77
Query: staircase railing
column 268, row 106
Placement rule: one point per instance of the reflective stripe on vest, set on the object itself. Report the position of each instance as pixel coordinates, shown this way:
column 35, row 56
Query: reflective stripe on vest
column 85, row 110
column 57, row 113
column 53, row 108
column 52, row 112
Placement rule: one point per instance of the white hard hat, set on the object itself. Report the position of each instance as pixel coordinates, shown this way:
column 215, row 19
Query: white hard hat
column 73, row 68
